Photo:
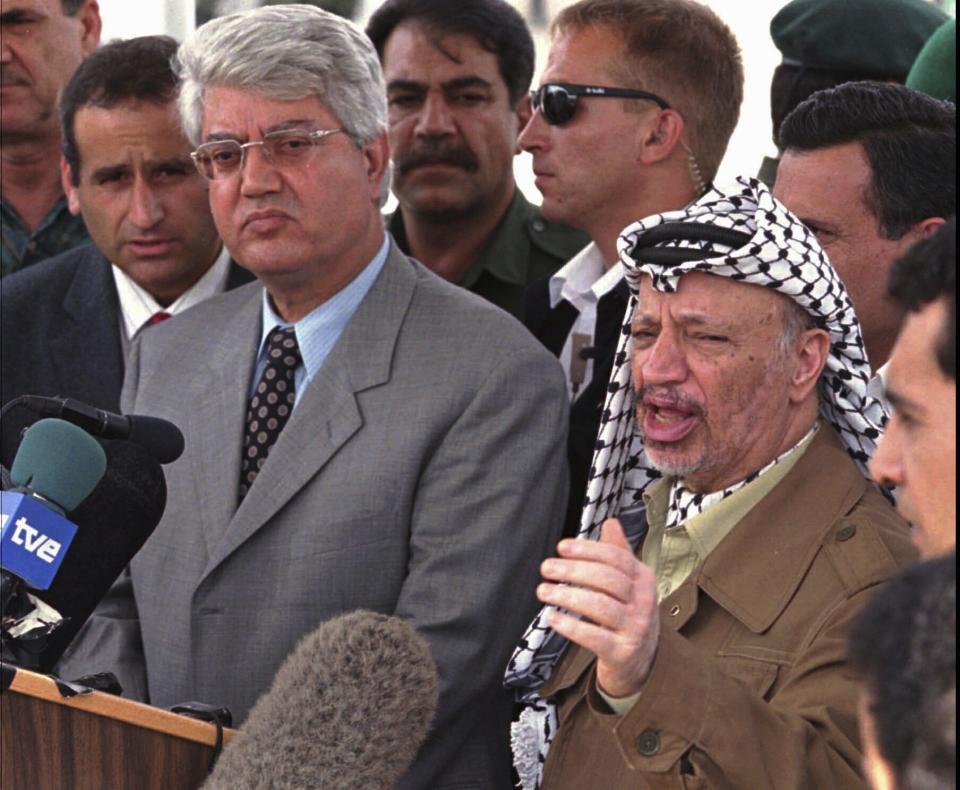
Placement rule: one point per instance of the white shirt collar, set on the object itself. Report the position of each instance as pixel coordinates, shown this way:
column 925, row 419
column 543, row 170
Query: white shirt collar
column 137, row 306
column 877, row 386
column 584, row 278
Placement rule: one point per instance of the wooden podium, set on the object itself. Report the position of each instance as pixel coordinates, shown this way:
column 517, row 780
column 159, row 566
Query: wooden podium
column 96, row 741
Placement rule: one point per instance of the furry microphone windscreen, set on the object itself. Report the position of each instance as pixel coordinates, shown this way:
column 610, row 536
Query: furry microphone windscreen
column 349, row 708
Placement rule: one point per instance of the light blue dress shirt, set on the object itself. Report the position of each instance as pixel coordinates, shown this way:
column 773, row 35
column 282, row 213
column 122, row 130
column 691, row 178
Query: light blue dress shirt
column 318, row 331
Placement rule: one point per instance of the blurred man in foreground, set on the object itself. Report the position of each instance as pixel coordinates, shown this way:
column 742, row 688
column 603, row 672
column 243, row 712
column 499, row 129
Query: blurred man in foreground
column 904, row 647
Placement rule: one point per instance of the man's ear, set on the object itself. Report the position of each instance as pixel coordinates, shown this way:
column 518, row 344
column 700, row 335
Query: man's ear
column 656, row 141
column 927, row 227
column 524, row 113
column 376, row 155
column 90, row 26
column 810, row 354
column 69, row 189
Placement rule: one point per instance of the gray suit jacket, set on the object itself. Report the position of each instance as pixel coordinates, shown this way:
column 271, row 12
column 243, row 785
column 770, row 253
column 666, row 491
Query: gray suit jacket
column 60, row 335
column 422, row 474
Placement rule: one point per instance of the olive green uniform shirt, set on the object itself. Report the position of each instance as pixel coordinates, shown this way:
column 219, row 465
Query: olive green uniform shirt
column 524, row 248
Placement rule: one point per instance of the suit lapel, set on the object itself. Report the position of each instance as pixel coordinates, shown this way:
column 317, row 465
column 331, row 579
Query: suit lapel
column 217, row 419
column 93, row 308
column 328, row 414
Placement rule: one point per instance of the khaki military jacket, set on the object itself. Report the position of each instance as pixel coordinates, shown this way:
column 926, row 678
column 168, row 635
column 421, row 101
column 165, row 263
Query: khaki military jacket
column 749, row 688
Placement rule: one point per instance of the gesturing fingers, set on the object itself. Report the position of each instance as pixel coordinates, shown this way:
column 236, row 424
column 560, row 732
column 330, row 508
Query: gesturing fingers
column 615, row 595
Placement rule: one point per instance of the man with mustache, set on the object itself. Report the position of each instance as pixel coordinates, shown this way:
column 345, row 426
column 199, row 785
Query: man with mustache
column 457, row 76
column 41, row 44
column 359, row 432
column 732, row 533
column 68, row 322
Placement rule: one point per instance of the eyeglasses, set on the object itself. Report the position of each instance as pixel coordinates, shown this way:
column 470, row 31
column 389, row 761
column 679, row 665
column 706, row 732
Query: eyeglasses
column 288, row 147
column 557, row 101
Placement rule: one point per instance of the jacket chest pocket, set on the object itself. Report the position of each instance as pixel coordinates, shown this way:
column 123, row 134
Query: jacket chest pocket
column 746, row 657
column 758, row 676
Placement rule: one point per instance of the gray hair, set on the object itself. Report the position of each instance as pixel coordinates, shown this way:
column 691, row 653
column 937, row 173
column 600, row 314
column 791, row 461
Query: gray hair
column 796, row 321
column 286, row 52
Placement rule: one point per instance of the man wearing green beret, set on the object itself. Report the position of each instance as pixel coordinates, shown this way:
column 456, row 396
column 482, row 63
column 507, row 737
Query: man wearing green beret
column 828, row 42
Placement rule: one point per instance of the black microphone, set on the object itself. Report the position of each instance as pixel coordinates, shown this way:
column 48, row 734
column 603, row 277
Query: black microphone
column 113, row 522
column 161, row 437
column 349, row 708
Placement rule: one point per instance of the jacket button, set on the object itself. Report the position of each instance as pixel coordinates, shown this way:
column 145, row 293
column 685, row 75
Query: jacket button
column 675, row 610
column 539, row 225
column 846, row 532
column 648, row 743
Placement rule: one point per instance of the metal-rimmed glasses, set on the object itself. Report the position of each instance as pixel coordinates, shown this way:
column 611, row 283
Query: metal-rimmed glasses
column 557, row 101
column 287, row 147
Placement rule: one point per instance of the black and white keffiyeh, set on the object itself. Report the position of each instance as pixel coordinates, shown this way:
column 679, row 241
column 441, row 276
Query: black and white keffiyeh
column 745, row 234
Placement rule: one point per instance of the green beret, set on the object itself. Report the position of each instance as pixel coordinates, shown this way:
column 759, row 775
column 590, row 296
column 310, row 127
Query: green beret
column 935, row 70
column 868, row 38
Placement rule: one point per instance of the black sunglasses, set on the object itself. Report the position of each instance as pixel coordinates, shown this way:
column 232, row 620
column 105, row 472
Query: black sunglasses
column 557, row 101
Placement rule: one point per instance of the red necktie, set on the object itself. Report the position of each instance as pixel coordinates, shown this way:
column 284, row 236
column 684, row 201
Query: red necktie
column 157, row 317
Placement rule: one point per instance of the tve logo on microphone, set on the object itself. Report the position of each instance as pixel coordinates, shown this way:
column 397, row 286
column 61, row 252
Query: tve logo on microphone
column 33, row 539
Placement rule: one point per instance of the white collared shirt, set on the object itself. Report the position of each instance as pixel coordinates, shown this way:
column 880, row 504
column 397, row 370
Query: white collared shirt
column 877, row 387
column 137, row 306
column 583, row 282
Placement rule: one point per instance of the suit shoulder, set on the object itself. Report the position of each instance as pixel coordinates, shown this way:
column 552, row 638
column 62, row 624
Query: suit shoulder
column 209, row 311
column 49, row 277
column 459, row 316
column 869, row 543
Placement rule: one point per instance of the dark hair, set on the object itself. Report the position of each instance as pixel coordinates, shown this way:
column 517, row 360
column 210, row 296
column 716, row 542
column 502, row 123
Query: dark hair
column 494, row 24
column 909, row 140
column 904, row 646
column 70, row 7
column 138, row 68
column 928, row 271
column 680, row 50
column 793, row 83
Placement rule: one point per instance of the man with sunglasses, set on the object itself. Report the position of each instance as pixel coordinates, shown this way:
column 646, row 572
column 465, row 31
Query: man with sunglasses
column 359, row 432
column 632, row 117
column 457, row 76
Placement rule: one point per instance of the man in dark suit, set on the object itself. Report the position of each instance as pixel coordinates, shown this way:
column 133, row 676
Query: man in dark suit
column 68, row 322
column 603, row 161
column 359, row 432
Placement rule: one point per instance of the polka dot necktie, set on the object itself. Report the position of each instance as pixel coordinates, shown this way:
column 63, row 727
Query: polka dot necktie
column 270, row 405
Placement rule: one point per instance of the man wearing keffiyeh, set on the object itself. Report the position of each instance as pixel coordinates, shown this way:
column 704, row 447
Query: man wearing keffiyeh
column 729, row 533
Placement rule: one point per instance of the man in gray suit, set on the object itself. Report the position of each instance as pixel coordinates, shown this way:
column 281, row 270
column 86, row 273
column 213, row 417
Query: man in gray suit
column 360, row 433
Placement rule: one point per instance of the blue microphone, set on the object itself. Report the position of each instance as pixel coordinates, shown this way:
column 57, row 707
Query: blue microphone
column 56, row 467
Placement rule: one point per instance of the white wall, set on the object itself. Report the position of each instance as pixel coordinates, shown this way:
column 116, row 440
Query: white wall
column 127, row 18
